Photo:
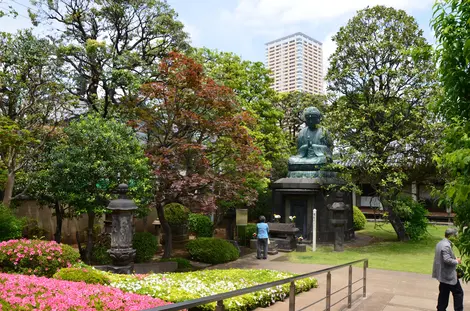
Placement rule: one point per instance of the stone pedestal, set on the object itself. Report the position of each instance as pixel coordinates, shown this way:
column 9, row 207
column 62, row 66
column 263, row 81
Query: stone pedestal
column 301, row 248
column 253, row 243
column 272, row 247
column 339, row 234
column 299, row 196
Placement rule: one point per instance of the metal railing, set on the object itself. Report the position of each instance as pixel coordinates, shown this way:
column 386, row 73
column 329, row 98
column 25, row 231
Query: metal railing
column 219, row 298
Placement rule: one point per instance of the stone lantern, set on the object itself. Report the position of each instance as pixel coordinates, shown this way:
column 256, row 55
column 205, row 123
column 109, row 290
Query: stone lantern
column 121, row 252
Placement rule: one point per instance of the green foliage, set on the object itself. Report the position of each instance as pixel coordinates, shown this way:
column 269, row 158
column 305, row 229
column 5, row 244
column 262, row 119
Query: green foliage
column 201, row 225
column 89, row 276
column 145, row 245
column 11, row 227
column 183, row 263
column 413, row 214
column 212, row 250
column 31, row 229
column 179, row 287
column 359, row 219
column 99, row 254
column 176, row 214
column 250, row 230
column 252, row 85
column 246, row 233
column 33, row 94
column 450, row 24
column 90, row 161
column 36, row 257
column 383, row 73
column 110, row 72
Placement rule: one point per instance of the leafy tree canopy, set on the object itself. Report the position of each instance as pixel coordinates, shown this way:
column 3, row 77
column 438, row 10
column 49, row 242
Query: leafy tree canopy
column 111, row 47
column 450, row 23
column 32, row 99
column 251, row 84
column 383, row 75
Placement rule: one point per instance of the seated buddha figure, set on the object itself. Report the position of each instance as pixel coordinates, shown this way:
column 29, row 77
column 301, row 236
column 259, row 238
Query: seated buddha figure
column 314, row 144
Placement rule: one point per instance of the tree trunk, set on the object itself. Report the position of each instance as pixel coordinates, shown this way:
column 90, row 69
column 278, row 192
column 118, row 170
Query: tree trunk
column 59, row 217
column 8, row 193
column 167, row 230
column 396, row 222
column 89, row 243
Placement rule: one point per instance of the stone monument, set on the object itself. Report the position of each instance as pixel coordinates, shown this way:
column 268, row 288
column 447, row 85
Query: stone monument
column 121, row 252
column 311, row 185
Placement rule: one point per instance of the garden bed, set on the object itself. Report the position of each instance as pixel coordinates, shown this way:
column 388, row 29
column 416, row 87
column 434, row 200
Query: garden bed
column 178, row 287
column 23, row 292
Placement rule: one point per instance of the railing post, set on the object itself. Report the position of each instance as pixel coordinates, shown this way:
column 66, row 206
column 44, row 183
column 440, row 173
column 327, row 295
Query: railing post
column 350, row 287
column 220, row 306
column 328, row 291
column 364, row 286
column 292, row 297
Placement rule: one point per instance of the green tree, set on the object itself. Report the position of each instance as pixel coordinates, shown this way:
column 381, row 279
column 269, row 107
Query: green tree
column 251, row 83
column 32, row 99
column 383, row 72
column 111, row 47
column 450, row 24
column 85, row 166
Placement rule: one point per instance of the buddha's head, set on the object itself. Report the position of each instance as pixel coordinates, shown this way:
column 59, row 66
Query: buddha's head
column 312, row 117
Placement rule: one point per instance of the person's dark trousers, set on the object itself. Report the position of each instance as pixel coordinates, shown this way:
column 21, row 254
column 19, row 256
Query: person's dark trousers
column 262, row 248
column 444, row 291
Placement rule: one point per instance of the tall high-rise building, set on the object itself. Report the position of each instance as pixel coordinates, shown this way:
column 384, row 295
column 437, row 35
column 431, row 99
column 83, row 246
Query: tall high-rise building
column 296, row 63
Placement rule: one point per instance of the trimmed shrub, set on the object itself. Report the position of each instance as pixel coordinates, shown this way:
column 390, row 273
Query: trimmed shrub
column 359, row 219
column 145, row 245
column 201, row 225
column 183, row 263
column 36, row 257
column 176, row 214
column 87, row 275
column 413, row 214
column 212, row 250
column 11, row 227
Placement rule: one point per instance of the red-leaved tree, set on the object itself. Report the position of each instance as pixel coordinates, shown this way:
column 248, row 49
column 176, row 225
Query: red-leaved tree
column 197, row 140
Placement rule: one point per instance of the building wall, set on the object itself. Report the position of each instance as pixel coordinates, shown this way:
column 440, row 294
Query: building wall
column 296, row 62
column 46, row 220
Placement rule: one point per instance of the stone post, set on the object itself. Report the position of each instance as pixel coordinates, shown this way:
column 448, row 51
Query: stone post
column 338, row 220
column 121, row 252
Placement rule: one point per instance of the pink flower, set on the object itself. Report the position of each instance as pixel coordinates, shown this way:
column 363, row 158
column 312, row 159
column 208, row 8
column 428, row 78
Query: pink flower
column 27, row 292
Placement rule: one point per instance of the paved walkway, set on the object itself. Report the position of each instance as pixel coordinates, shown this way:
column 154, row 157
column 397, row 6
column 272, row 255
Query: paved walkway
column 386, row 290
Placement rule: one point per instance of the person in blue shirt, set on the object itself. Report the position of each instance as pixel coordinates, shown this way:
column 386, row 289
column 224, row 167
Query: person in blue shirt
column 262, row 231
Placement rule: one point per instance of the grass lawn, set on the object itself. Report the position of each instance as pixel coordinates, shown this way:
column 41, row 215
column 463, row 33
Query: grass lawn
column 383, row 251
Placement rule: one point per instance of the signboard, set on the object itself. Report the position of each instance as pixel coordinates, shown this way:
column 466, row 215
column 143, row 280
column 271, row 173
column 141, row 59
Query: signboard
column 241, row 217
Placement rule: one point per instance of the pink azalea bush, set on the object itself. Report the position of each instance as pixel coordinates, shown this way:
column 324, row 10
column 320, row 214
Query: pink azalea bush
column 22, row 292
column 36, row 257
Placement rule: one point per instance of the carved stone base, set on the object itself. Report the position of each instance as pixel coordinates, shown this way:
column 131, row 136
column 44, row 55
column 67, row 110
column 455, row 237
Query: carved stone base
column 129, row 269
column 301, row 248
column 272, row 247
column 122, row 256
